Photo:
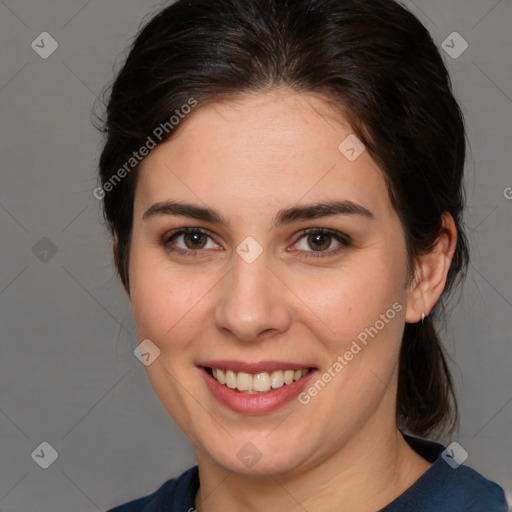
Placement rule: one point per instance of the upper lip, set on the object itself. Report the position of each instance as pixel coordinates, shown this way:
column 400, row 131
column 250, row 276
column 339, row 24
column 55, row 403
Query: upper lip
column 256, row 367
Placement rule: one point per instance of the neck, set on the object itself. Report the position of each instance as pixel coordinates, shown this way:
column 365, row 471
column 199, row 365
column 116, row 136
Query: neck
column 366, row 474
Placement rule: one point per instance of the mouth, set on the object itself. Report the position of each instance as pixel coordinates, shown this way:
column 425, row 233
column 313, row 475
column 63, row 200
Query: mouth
column 257, row 383
column 255, row 388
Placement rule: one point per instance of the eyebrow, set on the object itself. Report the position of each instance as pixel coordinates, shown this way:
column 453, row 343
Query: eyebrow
column 286, row 216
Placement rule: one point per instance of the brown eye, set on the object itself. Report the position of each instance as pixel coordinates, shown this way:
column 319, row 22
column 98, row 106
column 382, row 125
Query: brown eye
column 194, row 240
column 189, row 240
column 317, row 241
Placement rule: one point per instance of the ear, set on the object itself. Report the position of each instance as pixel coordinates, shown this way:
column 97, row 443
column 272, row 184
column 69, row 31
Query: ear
column 114, row 247
column 114, row 256
column 431, row 271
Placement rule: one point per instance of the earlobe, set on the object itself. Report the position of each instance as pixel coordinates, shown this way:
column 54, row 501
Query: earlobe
column 431, row 272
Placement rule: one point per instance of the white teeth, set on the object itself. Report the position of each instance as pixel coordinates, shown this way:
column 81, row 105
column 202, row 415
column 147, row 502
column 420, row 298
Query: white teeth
column 244, row 381
column 276, row 379
column 230, row 379
column 261, row 382
column 258, row 383
column 288, row 376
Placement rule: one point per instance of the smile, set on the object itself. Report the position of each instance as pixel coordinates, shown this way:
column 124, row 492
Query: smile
column 258, row 383
column 255, row 388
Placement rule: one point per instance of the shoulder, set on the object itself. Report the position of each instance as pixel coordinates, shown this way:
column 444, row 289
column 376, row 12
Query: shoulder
column 174, row 494
column 447, row 486
column 471, row 491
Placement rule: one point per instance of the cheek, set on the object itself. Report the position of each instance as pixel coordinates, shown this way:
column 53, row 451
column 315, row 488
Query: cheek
column 166, row 303
column 347, row 300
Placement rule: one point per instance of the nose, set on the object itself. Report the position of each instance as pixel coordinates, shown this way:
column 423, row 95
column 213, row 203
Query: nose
column 252, row 301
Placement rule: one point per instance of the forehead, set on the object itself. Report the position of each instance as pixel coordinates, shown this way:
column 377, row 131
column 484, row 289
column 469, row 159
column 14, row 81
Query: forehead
column 261, row 150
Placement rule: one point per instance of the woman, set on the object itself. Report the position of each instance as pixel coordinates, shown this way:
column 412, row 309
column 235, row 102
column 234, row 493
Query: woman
column 283, row 183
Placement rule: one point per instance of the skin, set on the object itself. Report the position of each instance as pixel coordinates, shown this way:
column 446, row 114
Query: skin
column 248, row 158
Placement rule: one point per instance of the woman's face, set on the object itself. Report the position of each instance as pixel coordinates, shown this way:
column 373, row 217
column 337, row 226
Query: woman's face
column 246, row 290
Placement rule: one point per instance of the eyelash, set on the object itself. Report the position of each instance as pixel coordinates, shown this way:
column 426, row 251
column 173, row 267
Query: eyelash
column 344, row 240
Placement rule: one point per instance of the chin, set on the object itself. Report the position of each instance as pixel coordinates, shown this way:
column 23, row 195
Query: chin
column 258, row 456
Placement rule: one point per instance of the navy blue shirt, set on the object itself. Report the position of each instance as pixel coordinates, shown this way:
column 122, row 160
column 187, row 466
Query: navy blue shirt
column 440, row 489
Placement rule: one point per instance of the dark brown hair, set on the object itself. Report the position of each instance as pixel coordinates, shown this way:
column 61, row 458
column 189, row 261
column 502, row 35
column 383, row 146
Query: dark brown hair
column 374, row 61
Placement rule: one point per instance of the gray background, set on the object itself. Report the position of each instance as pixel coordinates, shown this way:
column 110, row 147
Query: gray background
column 68, row 375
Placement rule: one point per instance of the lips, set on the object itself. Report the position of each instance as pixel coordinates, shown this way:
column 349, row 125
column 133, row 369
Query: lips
column 255, row 388
column 261, row 366
column 260, row 382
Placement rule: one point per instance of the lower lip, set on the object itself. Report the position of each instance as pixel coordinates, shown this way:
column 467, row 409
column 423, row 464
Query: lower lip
column 258, row 403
